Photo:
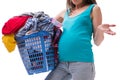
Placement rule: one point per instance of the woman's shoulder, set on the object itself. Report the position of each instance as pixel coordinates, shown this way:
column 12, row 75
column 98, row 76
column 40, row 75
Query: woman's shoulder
column 63, row 12
column 96, row 7
column 60, row 16
column 96, row 12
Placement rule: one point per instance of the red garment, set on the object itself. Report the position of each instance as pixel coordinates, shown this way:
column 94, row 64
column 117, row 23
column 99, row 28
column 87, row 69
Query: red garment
column 57, row 34
column 14, row 24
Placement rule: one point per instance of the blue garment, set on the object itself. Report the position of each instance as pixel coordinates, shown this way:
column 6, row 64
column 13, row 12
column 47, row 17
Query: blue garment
column 75, row 42
column 35, row 25
column 38, row 22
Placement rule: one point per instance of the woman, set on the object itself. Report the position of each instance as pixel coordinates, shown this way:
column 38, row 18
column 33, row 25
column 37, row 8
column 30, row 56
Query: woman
column 81, row 21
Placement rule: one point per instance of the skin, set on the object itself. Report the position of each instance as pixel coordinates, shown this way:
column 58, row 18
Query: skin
column 99, row 28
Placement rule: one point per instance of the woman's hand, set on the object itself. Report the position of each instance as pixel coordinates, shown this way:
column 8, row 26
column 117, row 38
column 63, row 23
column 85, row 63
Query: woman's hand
column 105, row 28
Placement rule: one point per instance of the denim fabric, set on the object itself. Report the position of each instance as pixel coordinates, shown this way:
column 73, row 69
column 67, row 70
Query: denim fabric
column 73, row 71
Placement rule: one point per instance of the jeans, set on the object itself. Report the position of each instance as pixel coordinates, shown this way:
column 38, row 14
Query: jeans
column 73, row 71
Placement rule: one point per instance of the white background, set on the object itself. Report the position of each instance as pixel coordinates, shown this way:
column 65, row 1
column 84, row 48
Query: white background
column 107, row 55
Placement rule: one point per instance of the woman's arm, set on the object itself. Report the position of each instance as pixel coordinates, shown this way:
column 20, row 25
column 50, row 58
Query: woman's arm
column 99, row 28
column 60, row 16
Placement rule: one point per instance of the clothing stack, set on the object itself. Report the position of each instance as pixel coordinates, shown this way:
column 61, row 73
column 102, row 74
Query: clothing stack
column 28, row 23
column 36, row 35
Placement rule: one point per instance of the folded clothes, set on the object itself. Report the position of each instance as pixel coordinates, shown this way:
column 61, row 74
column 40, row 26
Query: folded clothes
column 9, row 42
column 14, row 24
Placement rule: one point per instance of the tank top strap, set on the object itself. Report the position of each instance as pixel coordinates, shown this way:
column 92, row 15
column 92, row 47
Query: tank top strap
column 89, row 10
column 67, row 12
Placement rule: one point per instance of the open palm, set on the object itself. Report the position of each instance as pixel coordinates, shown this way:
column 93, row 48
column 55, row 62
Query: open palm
column 106, row 28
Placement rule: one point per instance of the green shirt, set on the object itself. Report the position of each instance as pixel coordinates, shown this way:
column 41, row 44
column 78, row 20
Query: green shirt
column 75, row 42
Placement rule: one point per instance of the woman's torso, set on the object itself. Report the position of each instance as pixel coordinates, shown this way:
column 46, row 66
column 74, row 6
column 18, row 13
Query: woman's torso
column 75, row 42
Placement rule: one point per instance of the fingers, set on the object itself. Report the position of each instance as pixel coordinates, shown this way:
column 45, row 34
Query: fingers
column 106, row 28
column 109, row 25
column 110, row 32
column 112, row 25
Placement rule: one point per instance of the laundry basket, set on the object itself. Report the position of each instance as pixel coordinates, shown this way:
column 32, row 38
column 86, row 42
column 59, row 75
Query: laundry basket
column 37, row 52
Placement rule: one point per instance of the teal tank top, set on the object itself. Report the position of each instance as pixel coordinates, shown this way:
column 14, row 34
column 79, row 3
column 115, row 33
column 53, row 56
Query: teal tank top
column 75, row 42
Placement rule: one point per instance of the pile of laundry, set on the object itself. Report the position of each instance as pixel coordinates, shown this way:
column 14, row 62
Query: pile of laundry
column 28, row 23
